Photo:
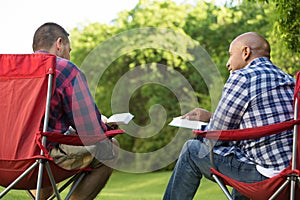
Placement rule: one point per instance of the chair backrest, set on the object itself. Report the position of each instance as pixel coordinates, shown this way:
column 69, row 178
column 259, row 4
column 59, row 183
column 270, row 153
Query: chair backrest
column 23, row 91
column 23, row 86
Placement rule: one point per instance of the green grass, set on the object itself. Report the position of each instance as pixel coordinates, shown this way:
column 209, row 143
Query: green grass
column 149, row 186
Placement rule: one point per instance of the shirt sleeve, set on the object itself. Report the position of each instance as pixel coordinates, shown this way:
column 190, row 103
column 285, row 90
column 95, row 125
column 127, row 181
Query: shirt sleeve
column 233, row 104
column 85, row 113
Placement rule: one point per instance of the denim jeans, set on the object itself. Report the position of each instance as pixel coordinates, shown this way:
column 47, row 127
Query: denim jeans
column 194, row 163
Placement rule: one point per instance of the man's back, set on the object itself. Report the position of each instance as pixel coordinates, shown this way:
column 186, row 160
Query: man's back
column 258, row 95
column 72, row 103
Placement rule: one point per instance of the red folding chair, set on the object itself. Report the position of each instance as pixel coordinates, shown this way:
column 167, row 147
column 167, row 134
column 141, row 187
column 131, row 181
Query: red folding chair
column 26, row 84
column 285, row 185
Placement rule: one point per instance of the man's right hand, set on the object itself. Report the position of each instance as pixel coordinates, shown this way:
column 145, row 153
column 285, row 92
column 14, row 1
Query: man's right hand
column 198, row 114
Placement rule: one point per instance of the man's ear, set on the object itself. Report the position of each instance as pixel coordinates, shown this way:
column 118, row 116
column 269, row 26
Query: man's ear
column 58, row 44
column 246, row 52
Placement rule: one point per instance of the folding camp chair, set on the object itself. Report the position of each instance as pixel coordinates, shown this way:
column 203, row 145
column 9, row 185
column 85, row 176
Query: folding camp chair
column 26, row 85
column 285, row 185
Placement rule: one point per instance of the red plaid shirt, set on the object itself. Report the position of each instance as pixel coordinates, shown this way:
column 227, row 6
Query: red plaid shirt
column 72, row 103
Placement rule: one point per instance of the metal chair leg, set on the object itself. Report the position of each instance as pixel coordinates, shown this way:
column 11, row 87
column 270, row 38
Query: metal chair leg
column 279, row 190
column 53, row 183
column 71, row 180
column 8, row 188
column 215, row 177
column 223, row 188
column 82, row 175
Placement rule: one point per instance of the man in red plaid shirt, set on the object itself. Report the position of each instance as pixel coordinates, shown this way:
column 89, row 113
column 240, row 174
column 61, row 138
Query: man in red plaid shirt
column 72, row 105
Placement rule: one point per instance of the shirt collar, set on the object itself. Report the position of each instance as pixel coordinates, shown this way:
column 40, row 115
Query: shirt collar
column 42, row 52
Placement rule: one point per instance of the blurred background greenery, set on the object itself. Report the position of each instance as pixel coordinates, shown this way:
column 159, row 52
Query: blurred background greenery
column 211, row 25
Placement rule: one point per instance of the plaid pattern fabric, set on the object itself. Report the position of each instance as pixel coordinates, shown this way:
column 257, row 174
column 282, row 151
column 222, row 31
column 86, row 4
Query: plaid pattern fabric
column 72, row 103
column 257, row 95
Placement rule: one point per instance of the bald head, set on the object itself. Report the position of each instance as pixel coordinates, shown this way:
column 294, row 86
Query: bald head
column 245, row 48
column 258, row 45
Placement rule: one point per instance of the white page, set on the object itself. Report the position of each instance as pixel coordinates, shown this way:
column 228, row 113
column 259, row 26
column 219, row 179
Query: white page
column 120, row 118
column 185, row 123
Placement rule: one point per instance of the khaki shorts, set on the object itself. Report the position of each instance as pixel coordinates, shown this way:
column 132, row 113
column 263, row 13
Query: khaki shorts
column 74, row 157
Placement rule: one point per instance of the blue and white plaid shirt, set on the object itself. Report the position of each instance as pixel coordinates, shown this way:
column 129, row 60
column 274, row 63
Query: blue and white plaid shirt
column 257, row 95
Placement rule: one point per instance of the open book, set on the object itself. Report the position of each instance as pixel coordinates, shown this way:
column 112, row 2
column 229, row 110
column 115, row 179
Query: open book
column 120, row 118
column 185, row 123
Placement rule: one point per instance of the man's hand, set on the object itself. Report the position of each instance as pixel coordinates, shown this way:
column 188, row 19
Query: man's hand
column 112, row 126
column 198, row 114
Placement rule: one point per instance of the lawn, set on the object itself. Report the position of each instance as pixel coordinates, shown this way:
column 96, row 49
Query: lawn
column 149, row 186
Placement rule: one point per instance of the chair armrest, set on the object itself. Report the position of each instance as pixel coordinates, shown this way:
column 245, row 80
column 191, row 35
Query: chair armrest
column 78, row 140
column 113, row 133
column 247, row 133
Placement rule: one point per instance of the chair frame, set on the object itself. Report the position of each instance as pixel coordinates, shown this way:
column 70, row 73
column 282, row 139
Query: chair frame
column 42, row 161
column 292, row 179
column 289, row 176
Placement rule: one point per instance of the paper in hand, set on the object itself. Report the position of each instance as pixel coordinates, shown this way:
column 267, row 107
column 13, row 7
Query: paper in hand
column 185, row 123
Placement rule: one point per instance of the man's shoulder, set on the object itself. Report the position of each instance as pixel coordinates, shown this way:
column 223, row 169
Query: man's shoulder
column 66, row 71
column 66, row 66
column 261, row 67
column 63, row 63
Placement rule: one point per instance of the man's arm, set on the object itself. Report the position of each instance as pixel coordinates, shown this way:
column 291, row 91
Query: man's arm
column 233, row 104
column 85, row 113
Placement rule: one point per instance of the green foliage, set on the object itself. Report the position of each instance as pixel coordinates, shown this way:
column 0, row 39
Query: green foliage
column 147, row 53
column 286, row 21
column 285, row 58
column 153, row 14
column 86, row 37
column 216, row 26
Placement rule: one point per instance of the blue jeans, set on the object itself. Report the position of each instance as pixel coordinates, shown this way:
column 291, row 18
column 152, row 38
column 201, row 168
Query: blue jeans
column 194, row 163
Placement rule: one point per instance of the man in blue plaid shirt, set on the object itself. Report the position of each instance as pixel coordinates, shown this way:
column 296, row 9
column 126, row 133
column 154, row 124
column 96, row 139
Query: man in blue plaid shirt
column 257, row 93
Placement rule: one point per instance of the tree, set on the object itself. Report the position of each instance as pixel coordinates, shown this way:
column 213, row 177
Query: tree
column 147, row 64
column 286, row 21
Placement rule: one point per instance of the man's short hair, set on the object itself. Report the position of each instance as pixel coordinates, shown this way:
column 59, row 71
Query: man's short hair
column 47, row 34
